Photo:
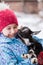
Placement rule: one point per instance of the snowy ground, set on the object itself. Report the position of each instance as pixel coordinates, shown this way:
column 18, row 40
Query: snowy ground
column 33, row 21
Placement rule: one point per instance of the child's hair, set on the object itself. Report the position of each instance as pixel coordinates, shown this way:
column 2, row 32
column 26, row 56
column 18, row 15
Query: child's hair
column 7, row 17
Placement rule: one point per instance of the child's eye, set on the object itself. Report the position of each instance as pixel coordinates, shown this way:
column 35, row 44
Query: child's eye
column 9, row 28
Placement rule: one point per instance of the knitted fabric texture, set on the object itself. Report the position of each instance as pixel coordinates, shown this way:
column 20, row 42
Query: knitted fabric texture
column 7, row 17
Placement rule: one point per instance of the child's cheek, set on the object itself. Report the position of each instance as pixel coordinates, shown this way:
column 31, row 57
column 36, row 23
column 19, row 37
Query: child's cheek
column 16, row 30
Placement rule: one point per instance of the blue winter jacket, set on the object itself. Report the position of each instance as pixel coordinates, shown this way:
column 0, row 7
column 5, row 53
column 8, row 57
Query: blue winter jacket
column 11, row 50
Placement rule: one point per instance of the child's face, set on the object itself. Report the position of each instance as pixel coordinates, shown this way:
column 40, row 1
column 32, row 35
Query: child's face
column 10, row 30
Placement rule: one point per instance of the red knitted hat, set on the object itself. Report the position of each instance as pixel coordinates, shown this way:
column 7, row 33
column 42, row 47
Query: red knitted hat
column 7, row 17
column 40, row 58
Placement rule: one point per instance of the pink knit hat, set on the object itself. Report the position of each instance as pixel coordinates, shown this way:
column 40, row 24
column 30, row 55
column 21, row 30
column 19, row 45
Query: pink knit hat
column 7, row 17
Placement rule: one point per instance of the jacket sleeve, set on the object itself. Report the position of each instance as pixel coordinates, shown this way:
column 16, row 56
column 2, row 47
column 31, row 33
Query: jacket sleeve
column 7, row 57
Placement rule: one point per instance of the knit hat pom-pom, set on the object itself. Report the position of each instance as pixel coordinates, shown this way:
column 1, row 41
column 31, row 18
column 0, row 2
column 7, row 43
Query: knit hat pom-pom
column 4, row 6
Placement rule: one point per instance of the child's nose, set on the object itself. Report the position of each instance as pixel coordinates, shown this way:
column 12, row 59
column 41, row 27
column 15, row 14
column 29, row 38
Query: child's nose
column 12, row 31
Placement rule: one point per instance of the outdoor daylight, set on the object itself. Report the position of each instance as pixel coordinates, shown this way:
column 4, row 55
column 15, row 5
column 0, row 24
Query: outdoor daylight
column 21, row 32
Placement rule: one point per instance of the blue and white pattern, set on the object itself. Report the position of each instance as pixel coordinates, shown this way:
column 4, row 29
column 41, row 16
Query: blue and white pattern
column 11, row 51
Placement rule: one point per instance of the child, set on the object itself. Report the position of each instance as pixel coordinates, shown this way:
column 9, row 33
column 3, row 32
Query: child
column 11, row 48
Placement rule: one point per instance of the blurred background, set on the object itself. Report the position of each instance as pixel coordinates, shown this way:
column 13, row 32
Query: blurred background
column 26, row 6
column 29, row 13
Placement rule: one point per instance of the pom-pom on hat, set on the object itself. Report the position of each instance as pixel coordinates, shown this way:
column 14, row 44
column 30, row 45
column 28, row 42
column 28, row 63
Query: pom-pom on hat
column 4, row 5
column 7, row 17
